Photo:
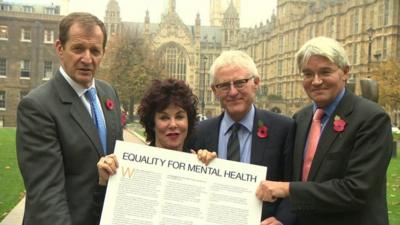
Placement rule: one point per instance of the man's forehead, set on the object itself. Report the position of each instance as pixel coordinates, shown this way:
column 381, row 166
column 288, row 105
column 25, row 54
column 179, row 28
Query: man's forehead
column 319, row 60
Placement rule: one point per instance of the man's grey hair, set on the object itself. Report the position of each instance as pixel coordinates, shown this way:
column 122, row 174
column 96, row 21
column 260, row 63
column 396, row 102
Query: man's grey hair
column 234, row 58
column 322, row 46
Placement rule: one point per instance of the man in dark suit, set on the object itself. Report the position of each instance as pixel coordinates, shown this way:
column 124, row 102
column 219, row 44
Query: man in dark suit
column 264, row 138
column 58, row 144
column 342, row 179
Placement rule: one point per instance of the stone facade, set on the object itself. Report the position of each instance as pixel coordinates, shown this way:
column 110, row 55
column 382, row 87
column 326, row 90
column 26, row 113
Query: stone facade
column 274, row 43
column 218, row 8
column 27, row 55
column 356, row 24
column 187, row 51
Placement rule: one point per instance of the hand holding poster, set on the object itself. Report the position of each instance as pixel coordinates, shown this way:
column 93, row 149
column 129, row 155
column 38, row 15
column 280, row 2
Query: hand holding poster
column 158, row 186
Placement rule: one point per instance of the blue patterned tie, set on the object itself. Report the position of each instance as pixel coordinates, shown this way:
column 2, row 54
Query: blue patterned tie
column 98, row 117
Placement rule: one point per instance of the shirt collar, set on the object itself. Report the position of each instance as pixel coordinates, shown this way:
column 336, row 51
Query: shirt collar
column 247, row 121
column 331, row 107
column 77, row 87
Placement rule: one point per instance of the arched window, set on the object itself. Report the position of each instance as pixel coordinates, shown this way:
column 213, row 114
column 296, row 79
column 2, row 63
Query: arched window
column 174, row 60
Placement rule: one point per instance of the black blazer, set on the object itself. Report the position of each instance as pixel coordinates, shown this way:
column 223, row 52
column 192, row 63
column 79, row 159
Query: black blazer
column 274, row 152
column 58, row 149
column 347, row 180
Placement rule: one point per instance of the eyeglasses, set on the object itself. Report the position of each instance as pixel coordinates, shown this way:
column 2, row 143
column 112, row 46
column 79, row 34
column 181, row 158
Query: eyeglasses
column 322, row 73
column 238, row 84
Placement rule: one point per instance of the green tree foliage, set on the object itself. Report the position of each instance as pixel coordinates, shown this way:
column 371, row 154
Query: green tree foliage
column 387, row 74
column 130, row 66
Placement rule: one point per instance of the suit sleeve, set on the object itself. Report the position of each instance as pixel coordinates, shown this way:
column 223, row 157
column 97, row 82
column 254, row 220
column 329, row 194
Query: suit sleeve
column 288, row 153
column 196, row 140
column 365, row 161
column 120, row 135
column 41, row 164
column 284, row 210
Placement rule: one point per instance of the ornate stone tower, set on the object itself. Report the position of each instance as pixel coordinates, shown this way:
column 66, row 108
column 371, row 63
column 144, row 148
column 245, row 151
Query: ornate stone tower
column 217, row 9
column 112, row 19
column 197, row 26
column 236, row 3
column 230, row 27
column 215, row 13
column 291, row 10
column 147, row 23
column 171, row 6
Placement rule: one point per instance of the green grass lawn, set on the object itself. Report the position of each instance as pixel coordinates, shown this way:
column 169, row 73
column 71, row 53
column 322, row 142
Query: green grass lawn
column 12, row 188
column 393, row 190
column 11, row 185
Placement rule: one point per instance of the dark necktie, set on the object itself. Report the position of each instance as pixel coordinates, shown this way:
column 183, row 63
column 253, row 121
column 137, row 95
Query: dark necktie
column 98, row 117
column 234, row 144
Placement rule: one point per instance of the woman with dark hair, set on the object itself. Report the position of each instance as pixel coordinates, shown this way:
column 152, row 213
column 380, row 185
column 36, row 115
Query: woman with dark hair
column 168, row 112
column 165, row 102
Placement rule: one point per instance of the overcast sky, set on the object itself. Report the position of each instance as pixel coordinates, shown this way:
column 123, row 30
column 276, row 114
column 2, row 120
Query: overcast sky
column 252, row 11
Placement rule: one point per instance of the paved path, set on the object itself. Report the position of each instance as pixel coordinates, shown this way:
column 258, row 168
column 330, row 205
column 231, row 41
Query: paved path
column 15, row 216
column 131, row 136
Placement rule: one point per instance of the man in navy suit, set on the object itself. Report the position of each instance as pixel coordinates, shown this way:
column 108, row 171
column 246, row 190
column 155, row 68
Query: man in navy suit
column 58, row 145
column 346, row 181
column 265, row 138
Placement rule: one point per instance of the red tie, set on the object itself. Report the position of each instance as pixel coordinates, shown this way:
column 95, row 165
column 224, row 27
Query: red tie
column 313, row 137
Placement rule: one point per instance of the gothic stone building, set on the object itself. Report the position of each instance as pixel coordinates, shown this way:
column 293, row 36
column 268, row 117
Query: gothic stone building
column 189, row 50
column 27, row 33
column 359, row 25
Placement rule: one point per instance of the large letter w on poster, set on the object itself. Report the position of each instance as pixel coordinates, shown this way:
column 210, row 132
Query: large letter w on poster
column 127, row 172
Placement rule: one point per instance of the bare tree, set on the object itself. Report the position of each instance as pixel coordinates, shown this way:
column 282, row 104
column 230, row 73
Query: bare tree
column 388, row 76
column 129, row 65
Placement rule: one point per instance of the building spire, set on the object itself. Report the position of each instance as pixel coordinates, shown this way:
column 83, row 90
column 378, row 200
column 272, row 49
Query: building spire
column 112, row 18
column 171, row 6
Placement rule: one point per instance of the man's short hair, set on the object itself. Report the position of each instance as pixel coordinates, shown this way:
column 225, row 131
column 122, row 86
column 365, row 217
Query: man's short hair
column 322, row 46
column 234, row 58
column 86, row 20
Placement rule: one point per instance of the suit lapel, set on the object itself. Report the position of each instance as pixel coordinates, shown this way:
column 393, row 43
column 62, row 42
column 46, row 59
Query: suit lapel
column 258, row 145
column 329, row 135
column 212, row 136
column 108, row 115
column 83, row 119
column 77, row 110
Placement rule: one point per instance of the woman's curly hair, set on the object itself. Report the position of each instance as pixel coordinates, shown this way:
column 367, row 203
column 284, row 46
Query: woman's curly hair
column 159, row 96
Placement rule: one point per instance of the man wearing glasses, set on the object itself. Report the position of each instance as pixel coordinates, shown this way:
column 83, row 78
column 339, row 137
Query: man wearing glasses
column 244, row 133
column 342, row 147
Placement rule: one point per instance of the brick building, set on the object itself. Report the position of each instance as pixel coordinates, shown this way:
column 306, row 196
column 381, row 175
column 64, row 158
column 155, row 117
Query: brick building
column 27, row 55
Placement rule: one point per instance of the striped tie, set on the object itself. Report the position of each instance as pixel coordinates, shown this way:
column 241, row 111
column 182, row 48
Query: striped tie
column 234, row 144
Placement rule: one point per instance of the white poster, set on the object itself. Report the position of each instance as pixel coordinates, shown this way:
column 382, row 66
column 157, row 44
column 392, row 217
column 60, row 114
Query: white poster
column 155, row 186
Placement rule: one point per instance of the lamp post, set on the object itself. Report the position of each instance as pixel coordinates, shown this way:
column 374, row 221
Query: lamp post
column 377, row 57
column 351, row 84
column 369, row 31
column 203, row 85
column 369, row 87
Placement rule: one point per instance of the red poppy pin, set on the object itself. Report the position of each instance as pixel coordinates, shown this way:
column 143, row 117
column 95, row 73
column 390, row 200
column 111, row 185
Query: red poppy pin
column 262, row 130
column 109, row 104
column 339, row 124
